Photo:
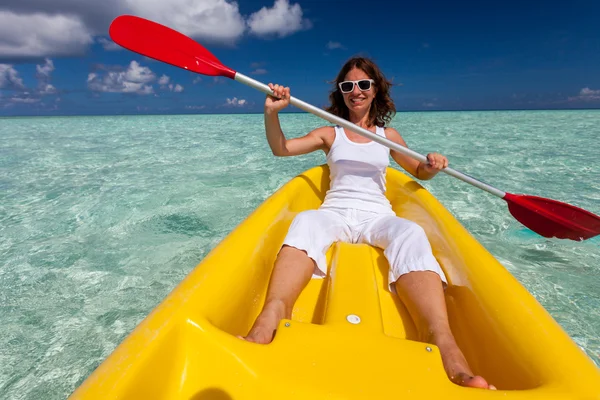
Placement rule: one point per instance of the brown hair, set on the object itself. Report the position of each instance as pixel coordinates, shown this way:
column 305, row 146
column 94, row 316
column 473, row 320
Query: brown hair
column 382, row 109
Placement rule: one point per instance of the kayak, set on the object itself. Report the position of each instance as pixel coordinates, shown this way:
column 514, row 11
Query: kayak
column 349, row 336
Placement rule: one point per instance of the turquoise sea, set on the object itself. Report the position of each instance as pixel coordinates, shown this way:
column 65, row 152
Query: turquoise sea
column 100, row 217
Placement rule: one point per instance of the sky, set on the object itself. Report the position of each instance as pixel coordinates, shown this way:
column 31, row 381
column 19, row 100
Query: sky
column 56, row 57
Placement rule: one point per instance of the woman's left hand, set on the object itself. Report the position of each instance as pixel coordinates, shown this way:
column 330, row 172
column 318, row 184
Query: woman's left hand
column 436, row 162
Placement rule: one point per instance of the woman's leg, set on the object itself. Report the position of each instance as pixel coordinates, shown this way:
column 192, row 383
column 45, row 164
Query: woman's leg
column 310, row 235
column 292, row 272
column 423, row 295
column 418, row 282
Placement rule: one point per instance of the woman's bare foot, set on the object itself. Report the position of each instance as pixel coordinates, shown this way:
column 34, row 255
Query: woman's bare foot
column 456, row 365
column 264, row 327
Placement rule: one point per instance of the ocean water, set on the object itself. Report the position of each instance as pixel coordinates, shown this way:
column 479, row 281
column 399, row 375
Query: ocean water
column 100, row 217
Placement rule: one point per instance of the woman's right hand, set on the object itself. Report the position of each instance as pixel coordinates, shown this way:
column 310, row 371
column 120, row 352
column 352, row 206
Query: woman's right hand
column 279, row 100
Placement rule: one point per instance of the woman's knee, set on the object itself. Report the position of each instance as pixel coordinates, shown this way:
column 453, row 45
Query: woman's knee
column 307, row 218
column 415, row 230
column 407, row 230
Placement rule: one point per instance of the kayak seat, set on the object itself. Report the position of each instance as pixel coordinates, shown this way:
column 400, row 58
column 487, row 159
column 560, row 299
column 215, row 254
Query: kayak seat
column 355, row 294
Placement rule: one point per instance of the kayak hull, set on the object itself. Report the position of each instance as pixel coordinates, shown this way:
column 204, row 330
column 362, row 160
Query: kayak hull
column 349, row 337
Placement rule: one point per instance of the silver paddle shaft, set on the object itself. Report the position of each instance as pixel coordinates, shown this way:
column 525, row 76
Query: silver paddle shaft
column 363, row 132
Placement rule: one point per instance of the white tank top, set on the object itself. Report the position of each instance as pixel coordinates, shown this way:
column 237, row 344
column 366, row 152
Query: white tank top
column 357, row 174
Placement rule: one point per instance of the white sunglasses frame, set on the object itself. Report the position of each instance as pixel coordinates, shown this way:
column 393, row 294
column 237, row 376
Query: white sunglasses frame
column 355, row 83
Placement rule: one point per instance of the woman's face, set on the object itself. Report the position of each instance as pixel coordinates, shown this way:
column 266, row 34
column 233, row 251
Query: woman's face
column 358, row 101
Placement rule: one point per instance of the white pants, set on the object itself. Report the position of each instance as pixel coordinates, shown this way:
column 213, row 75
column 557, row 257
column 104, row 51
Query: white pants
column 405, row 244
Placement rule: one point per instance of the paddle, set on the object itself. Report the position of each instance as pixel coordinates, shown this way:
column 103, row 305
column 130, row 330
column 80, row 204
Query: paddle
column 549, row 218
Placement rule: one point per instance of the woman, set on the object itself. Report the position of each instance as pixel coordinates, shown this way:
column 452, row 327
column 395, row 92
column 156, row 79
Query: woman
column 356, row 210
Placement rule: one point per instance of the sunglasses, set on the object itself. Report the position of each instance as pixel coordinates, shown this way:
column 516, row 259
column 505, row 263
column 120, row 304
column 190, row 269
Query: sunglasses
column 348, row 86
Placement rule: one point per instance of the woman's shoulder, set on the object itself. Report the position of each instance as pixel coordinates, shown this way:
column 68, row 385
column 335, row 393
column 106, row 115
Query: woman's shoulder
column 326, row 128
column 389, row 129
column 392, row 133
column 323, row 131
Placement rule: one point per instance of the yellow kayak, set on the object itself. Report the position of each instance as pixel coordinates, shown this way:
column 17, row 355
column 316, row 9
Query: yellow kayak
column 349, row 337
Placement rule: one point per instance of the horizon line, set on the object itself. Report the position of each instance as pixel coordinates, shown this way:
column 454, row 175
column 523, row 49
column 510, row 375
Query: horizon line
column 291, row 112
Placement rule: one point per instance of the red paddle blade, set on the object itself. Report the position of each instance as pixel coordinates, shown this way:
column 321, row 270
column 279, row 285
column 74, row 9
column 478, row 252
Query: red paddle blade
column 164, row 44
column 551, row 218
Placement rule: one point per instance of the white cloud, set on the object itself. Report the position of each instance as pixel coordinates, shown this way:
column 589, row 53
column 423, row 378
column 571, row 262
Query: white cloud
column 44, row 73
column 66, row 27
column 164, row 80
column 173, row 88
column 589, row 92
column 133, row 80
column 196, row 80
column 45, row 70
column 281, row 20
column 109, row 45
column 24, row 100
column 212, row 20
column 145, row 90
column 586, row 94
column 138, row 74
column 334, row 45
column 38, row 34
column 195, row 107
column 235, row 102
column 42, row 28
column 9, row 78
column 259, row 71
column 165, row 83
column 46, row 88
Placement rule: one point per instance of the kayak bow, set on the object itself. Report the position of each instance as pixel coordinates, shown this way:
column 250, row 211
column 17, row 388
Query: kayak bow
column 349, row 337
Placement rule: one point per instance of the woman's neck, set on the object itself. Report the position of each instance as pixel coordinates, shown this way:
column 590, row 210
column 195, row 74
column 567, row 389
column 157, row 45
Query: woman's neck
column 361, row 119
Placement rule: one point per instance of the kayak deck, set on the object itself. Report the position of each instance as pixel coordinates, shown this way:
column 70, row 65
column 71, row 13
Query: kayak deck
column 349, row 337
